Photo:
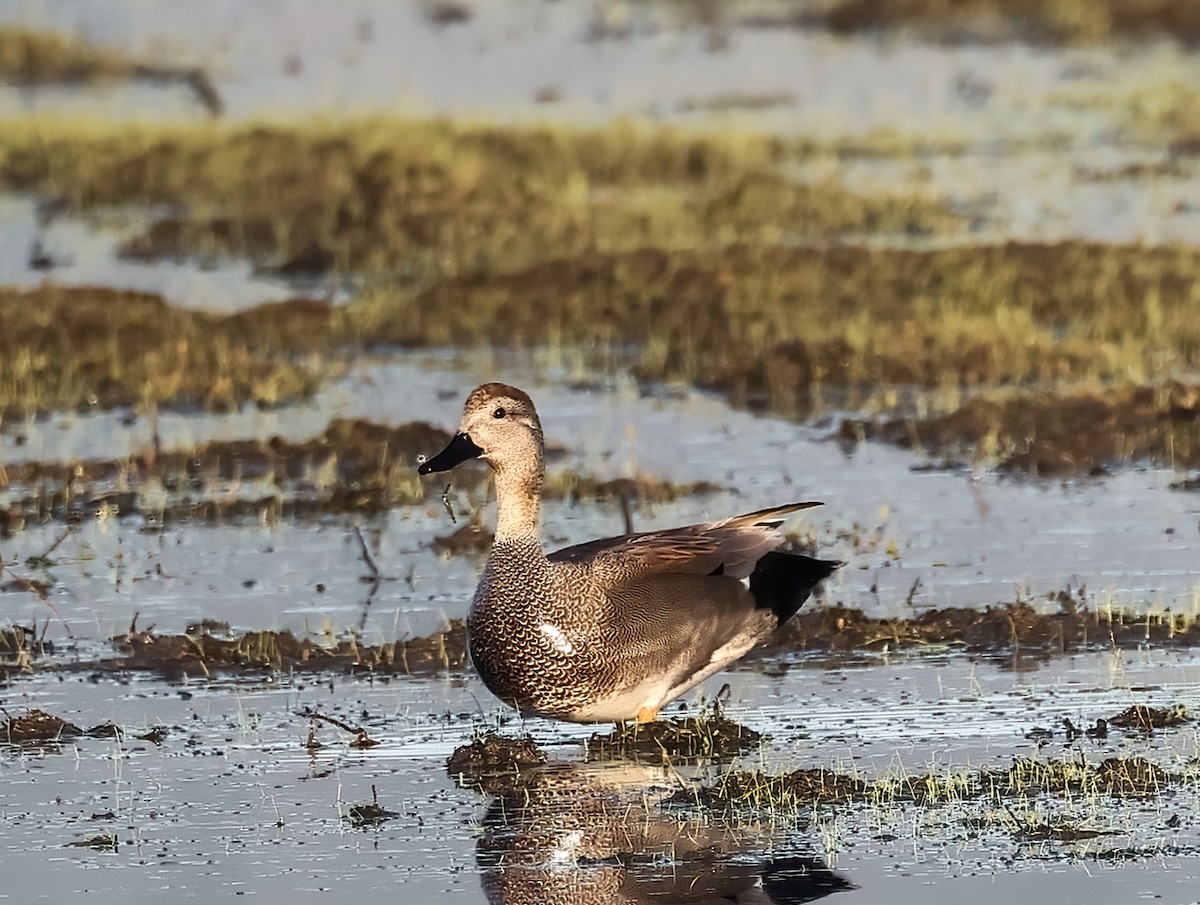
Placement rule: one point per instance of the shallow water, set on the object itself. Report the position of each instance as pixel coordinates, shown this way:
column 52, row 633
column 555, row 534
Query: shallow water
column 84, row 251
column 230, row 802
column 943, row 538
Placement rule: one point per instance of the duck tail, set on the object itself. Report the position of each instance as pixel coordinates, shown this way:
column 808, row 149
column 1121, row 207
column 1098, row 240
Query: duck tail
column 781, row 582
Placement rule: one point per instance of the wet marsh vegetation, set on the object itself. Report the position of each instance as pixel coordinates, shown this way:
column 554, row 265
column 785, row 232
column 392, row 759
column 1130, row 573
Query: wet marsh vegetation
column 935, row 264
column 1050, row 359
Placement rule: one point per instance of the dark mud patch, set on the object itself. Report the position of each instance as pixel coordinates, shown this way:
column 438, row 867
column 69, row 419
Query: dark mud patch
column 1054, row 434
column 494, row 763
column 353, row 466
column 1067, row 22
column 709, row 736
column 1005, row 628
column 80, row 348
column 1002, row 631
column 1118, row 777
column 203, row 653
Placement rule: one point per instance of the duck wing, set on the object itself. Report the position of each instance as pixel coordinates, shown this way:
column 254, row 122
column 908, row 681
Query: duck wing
column 731, row 547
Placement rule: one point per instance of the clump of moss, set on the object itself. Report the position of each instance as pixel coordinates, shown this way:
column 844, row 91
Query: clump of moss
column 494, row 763
column 1144, row 717
column 785, row 792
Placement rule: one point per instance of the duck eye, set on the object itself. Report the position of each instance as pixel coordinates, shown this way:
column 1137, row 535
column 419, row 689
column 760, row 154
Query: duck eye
column 499, row 413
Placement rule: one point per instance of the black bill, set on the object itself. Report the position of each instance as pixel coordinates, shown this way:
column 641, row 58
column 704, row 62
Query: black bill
column 458, row 450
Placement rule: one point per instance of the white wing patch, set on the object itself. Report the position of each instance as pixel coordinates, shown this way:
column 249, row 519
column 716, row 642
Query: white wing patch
column 557, row 639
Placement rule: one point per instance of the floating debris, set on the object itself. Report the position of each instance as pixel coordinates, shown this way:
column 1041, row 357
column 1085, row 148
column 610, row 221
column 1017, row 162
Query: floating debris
column 105, row 842
column 361, row 738
column 373, row 814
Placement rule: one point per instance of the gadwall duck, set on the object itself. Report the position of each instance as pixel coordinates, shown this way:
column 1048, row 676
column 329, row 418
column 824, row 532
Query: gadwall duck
column 612, row 629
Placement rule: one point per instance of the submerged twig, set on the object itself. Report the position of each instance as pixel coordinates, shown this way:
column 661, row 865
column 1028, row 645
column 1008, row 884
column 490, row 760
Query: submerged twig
column 361, row 738
column 446, row 504
column 366, row 555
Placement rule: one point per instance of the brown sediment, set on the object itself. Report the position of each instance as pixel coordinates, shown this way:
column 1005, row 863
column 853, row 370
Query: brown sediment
column 1060, row 22
column 373, row 814
column 709, row 736
column 998, row 628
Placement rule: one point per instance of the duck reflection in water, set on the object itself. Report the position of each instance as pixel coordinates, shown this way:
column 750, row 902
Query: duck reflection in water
column 578, row 835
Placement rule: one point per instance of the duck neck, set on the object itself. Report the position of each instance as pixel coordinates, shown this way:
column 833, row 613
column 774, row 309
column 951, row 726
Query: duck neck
column 518, row 493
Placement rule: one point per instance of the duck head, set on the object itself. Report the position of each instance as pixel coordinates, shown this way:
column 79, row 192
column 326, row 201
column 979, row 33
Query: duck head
column 499, row 425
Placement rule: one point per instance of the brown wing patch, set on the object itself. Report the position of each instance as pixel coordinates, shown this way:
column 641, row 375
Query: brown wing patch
column 730, row 547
